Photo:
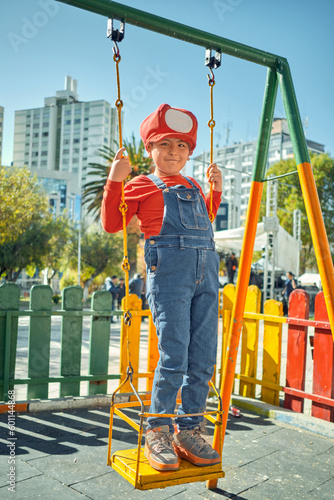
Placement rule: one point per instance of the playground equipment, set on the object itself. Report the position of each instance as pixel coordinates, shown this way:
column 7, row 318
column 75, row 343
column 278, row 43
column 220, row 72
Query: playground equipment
column 278, row 72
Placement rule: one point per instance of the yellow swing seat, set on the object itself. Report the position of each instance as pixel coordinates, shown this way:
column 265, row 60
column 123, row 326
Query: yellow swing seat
column 125, row 462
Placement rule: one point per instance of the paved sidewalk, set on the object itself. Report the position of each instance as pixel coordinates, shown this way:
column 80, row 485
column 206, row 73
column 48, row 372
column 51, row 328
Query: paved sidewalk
column 62, row 455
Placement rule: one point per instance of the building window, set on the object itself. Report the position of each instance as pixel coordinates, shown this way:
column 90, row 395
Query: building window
column 44, row 153
column 45, row 124
column 34, row 163
column 247, row 148
column 77, row 120
column 75, row 160
column 35, row 153
column 67, row 112
column 66, row 141
column 66, row 151
column 76, row 150
column 45, row 134
column 76, row 141
column 67, row 122
column 36, row 125
column 44, row 163
column 35, row 135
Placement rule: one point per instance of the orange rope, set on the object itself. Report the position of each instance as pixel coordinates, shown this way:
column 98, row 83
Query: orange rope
column 123, row 209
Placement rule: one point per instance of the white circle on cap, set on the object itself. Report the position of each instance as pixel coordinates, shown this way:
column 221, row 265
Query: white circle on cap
column 178, row 121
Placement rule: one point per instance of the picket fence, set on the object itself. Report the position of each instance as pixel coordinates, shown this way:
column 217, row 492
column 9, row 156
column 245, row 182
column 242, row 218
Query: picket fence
column 302, row 334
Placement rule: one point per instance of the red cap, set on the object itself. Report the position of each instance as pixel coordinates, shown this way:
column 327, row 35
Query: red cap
column 169, row 122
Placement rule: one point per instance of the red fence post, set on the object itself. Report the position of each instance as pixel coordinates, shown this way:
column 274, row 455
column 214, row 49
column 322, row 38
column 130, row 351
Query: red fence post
column 323, row 362
column 296, row 350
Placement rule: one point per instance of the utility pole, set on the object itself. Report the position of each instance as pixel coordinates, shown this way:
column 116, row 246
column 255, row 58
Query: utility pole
column 79, row 243
column 297, row 220
column 271, row 225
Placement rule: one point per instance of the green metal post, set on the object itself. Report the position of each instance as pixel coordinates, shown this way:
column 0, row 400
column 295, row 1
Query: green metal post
column 266, row 122
column 39, row 340
column 71, row 340
column 292, row 113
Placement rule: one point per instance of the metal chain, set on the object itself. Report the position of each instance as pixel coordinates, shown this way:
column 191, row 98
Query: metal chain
column 211, row 125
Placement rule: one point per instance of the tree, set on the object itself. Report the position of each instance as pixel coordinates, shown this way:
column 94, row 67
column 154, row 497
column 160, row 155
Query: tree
column 93, row 190
column 100, row 252
column 54, row 260
column 290, row 198
column 24, row 221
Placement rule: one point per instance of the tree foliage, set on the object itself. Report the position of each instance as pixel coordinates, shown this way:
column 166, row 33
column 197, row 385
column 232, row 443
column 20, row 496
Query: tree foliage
column 93, row 190
column 290, row 197
column 25, row 223
column 100, row 253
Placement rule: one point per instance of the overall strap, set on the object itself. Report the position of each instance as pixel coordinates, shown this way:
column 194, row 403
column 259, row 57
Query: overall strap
column 190, row 181
column 158, row 182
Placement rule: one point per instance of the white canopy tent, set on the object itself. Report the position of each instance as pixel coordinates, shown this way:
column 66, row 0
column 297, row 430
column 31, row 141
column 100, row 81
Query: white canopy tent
column 287, row 254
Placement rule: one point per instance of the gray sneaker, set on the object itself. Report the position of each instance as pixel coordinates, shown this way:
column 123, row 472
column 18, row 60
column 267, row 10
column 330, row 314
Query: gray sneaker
column 159, row 449
column 190, row 445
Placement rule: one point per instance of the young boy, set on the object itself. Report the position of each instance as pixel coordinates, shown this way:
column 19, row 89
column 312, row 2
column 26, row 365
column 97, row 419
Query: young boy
column 182, row 280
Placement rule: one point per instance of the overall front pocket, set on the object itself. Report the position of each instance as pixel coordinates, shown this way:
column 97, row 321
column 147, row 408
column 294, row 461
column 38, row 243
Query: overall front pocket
column 192, row 209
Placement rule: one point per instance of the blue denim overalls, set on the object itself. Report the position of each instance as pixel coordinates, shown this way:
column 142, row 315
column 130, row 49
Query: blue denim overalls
column 182, row 292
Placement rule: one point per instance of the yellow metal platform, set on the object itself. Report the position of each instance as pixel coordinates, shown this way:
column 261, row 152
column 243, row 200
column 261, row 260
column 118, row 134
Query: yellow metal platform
column 124, row 462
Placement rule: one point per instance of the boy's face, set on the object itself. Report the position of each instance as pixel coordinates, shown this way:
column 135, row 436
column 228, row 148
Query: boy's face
column 169, row 155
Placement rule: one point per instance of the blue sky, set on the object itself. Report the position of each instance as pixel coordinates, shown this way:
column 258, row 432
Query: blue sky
column 42, row 41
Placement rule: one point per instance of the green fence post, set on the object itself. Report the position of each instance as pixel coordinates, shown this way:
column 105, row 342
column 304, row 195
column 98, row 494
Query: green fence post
column 99, row 341
column 71, row 339
column 9, row 301
column 39, row 340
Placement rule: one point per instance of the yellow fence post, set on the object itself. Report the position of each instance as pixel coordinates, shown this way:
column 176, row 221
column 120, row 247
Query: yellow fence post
column 130, row 338
column 152, row 354
column 228, row 300
column 272, row 347
column 249, row 342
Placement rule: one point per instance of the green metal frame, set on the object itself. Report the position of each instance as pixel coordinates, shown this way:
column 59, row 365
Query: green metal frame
column 278, row 64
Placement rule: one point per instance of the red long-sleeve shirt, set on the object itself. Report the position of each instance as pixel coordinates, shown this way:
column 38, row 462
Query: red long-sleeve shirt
column 144, row 199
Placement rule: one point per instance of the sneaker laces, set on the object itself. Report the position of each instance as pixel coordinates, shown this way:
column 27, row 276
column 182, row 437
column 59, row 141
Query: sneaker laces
column 162, row 441
column 198, row 438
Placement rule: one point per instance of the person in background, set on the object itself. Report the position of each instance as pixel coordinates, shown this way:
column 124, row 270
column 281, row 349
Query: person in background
column 136, row 285
column 231, row 266
column 120, row 292
column 289, row 286
column 111, row 286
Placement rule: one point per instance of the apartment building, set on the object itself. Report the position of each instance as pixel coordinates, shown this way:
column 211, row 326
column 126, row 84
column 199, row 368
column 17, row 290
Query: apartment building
column 237, row 162
column 60, row 139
